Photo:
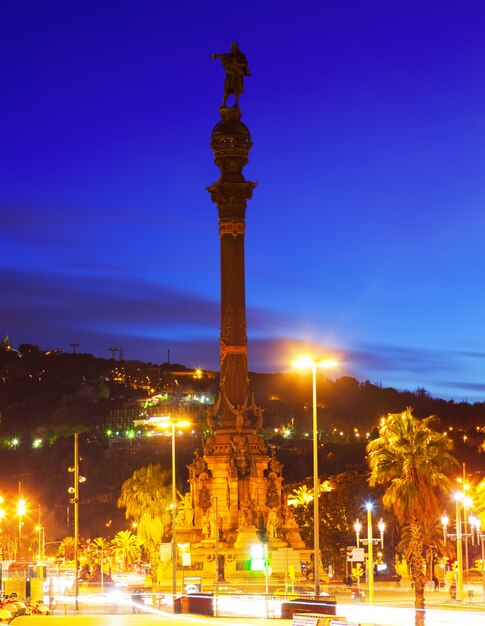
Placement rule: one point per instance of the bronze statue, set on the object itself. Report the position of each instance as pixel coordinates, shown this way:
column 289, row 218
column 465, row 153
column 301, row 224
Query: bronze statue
column 236, row 67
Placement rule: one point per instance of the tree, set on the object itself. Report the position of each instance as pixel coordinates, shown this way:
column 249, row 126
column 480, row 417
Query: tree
column 66, row 548
column 480, row 501
column 100, row 551
column 339, row 505
column 301, row 496
column 127, row 547
column 433, row 544
column 411, row 460
column 147, row 500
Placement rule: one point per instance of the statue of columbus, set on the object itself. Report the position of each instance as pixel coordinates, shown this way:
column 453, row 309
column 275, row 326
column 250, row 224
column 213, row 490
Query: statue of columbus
column 236, row 67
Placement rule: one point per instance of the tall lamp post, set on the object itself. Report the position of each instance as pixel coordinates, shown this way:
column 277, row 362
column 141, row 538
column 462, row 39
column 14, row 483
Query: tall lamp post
column 173, row 424
column 309, row 363
column 2, row 515
column 476, row 524
column 21, row 511
column 40, row 535
column 370, row 547
column 459, row 544
column 74, row 491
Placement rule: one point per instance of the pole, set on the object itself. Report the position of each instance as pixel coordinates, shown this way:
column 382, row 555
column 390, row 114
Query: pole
column 286, row 569
column 216, row 540
column 174, row 519
column 465, row 521
column 266, row 574
column 216, row 554
column 102, row 572
column 19, row 550
column 482, row 541
column 370, row 564
column 459, row 554
column 76, row 520
column 316, row 487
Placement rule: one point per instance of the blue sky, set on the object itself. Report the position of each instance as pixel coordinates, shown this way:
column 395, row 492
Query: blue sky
column 364, row 237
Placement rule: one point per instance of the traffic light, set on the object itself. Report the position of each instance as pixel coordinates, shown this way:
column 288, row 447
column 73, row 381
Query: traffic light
column 257, row 562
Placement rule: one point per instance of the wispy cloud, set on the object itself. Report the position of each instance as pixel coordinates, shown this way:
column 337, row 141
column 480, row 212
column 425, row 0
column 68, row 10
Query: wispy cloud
column 147, row 318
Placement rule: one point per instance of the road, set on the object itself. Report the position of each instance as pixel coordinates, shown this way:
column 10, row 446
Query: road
column 393, row 607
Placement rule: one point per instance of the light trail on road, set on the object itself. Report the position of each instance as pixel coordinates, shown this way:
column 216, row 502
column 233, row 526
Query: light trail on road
column 399, row 616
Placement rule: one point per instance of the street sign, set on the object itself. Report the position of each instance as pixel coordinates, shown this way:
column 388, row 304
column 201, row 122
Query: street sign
column 355, row 554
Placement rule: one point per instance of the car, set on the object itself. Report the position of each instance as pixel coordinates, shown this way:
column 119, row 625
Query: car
column 224, row 590
column 387, row 574
column 298, row 591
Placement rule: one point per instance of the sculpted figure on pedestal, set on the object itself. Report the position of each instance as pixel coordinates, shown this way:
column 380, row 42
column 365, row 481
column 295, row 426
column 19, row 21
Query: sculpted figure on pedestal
column 246, row 513
column 258, row 414
column 236, row 67
column 272, row 524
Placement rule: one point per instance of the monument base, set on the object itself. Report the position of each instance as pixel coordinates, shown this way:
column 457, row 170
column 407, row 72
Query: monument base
column 247, row 537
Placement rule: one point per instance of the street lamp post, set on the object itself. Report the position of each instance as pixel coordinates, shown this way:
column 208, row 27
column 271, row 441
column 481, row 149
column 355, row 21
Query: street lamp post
column 40, row 540
column 358, row 528
column 76, row 519
column 370, row 547
column 172, row 424
column 305, row 363
column 74, row 491
column 476, row 524
column 459, row 552
column 174, row 518
column 459, row 544
column 40, row 535
column 21, row 510
column 216, row 540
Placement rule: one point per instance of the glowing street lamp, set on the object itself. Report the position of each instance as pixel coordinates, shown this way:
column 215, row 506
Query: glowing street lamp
column 21, row 511
column 459, row 544
column 476, row 524
column 444, row 522
column 459, row 549
column 307, row 362
column 381, row 526
column 168, row 422
column 370, row 547
column 74, row 491
column 358, row 528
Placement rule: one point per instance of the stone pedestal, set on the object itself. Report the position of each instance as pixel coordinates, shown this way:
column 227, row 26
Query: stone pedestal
column 247, row 537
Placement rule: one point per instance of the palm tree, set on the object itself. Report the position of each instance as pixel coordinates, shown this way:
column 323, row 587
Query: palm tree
column 66, row 548
column 100, row 550
column 127, row 547
column 411, row 460
column 480, row 501
column 301, row 496
column 147, row 500
column 433, row 544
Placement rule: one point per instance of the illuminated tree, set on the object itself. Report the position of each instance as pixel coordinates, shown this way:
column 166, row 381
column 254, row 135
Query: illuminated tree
column 127, row 547
column 66, row 548
column 100, row 550
column 301, row 496
column 433, row 543
column 146, row 497
column 480, row 501
column 340, row 503
column 411, row 460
